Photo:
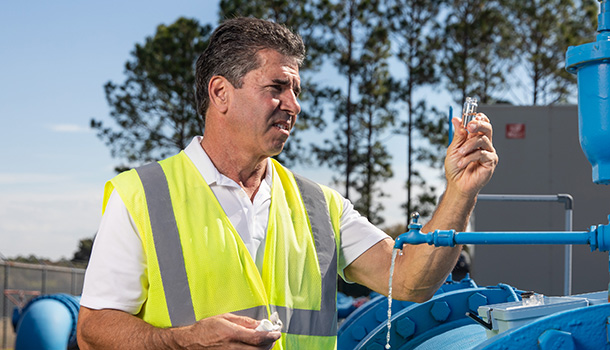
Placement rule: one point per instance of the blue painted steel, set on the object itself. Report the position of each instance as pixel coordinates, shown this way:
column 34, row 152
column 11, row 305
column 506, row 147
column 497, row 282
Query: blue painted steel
column 591, row 63
column 48, row 322
column 587, row 327
column 370, row 315
column 413, row 236
column 553, row 339
column 462, row 338
column 539, row 237
column 418, row 323
column 365, row 319
column 450, row 125
column 597, row 237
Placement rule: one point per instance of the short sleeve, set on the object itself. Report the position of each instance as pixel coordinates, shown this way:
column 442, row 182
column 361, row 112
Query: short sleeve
column 357, row 236
column 116, row 274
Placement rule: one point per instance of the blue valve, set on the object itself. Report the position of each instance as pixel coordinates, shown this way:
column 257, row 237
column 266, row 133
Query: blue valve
column 415, row 236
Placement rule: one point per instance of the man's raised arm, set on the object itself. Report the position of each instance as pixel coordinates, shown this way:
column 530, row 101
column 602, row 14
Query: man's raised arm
column 421, row 269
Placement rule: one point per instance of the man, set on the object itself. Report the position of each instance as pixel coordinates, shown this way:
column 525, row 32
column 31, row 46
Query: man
column 194, row 251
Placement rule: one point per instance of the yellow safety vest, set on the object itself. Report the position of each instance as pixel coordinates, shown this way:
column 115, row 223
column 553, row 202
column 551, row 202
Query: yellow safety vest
column 198, row 266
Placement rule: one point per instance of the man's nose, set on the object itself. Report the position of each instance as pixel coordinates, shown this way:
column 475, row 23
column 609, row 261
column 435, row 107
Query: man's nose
column 290, row 103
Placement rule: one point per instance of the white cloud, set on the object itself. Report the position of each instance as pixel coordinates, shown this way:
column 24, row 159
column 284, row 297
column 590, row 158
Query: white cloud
column 30, row 178
column 48, row 224
column 71, row 128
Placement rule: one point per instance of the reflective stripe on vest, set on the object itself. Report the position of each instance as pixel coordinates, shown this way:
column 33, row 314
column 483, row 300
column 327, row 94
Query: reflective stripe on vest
column 167, row 244
column 325, row 320
column 173, row 271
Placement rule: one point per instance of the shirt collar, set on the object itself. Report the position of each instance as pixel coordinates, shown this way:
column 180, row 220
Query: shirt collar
column 208, row 171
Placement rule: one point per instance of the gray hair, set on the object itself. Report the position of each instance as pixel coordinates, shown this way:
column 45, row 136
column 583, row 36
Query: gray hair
column 232, row 52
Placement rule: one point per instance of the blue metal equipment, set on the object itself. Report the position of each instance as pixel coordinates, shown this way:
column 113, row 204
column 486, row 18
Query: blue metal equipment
column 598, row 237
column 438, row 321
column 566, row 328
column 572, row 322
column 368, row 317
column 47, row 322
column 590, row 62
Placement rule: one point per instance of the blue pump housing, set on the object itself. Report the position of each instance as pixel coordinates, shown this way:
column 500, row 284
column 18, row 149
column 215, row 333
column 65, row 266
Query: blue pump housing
column 591, row 63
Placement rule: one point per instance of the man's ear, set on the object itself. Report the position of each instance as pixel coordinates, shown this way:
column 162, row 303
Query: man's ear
column 219, row 90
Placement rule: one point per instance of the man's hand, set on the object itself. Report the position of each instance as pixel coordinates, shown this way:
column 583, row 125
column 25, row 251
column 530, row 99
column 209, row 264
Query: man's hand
column 113, row 329
column 228, row 331
column 471, row 158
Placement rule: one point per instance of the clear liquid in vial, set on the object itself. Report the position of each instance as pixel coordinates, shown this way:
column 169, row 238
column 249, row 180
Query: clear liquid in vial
column 470, row 110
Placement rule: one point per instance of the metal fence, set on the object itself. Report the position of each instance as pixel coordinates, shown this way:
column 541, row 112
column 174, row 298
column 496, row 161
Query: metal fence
column 22, row 282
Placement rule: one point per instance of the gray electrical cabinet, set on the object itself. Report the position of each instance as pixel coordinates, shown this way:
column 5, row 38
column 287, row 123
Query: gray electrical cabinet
column 539, row 153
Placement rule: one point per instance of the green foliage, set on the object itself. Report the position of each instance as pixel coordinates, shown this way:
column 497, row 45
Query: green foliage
column 337, row 152
column 473, row 47
column 302, row 17
column 80, row 258
column 31, row 259
column 477, row 49
column 415, row 29
column 544, row 30
column 359, row 47
column 431, row 126
column 83, row 253
column 374, row 117
column 154, row 109
column 395, row 230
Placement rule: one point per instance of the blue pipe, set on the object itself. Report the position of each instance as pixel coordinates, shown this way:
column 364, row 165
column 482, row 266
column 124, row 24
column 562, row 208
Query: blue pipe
column 597, row 237
column 525, row 237
column 47, row 322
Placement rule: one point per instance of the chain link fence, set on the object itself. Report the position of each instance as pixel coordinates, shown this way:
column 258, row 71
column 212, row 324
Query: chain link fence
column 23, row 282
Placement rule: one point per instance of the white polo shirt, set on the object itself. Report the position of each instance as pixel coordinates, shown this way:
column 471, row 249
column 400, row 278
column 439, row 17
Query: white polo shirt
column 117, row 268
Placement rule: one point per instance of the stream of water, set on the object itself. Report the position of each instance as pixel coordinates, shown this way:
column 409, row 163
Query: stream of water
column 394, row 252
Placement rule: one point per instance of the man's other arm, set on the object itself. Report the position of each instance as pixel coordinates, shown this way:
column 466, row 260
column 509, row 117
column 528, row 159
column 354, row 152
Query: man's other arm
column 114, row 329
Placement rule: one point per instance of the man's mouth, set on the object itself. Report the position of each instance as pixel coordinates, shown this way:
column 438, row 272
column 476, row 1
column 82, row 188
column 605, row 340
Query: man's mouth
column 283, row 125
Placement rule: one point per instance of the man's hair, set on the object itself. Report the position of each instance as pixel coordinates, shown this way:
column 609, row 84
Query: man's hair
column 232, row 52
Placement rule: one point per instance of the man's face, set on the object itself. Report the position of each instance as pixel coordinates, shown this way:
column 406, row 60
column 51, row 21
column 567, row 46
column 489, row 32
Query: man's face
column 265, row 108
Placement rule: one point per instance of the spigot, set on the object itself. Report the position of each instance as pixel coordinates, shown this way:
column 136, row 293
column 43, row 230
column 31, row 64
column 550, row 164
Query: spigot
column 414, row 235
column 414, row 220
column 438, row 238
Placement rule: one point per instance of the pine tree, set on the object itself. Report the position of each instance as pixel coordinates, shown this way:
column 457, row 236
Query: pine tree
column 374, row 117
column 414, row 28
column 154, row 108
column 544, row 30
column 476, row 50
column 359, row 47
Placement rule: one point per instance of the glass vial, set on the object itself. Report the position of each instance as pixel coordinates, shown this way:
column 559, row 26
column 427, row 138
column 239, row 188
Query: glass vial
column 469, row 111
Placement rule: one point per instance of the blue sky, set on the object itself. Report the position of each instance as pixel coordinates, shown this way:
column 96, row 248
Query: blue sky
column 55, row 57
